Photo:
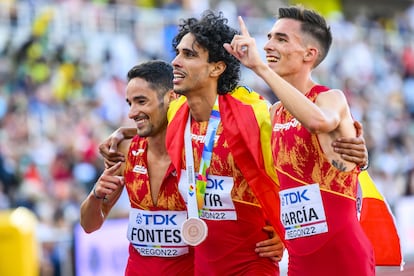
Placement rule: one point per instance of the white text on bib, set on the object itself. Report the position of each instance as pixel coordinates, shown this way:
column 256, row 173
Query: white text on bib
column 218, row 204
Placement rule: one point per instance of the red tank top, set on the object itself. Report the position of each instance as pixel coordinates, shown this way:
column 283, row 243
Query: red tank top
column 169, row 199
column 300, row 162
column 297, row 152
column 230, row 243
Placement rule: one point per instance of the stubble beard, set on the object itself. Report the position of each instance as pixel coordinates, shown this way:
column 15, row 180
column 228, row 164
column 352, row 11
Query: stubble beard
column 179, row 92
column 144, row 132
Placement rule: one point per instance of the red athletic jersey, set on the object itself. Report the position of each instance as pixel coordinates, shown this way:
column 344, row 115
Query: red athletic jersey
column 169, row 198
column 229, row 248
column 344, row 249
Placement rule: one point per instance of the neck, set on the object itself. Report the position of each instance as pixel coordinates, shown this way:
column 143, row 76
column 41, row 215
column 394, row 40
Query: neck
column 303, row 84
column 201, row 106
column 156, row 144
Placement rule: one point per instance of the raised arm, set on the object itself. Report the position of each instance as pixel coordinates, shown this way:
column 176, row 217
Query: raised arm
column 311, row 116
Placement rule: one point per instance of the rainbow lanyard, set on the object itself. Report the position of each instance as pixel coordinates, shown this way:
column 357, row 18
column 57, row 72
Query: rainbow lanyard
column 196, row 192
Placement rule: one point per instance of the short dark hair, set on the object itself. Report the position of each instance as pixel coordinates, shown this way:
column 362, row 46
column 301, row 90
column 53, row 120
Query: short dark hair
column 158, row 74
column 312, row 23
column 211, row 32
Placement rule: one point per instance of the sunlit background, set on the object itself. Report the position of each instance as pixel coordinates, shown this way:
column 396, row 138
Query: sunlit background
column 63, row 68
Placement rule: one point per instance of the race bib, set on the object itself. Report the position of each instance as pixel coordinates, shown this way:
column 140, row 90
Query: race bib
column 302, row 211
column 157, row 233
column 218, row 204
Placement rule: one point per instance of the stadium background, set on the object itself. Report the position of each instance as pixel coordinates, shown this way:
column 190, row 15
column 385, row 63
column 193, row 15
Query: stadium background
column 62, row 79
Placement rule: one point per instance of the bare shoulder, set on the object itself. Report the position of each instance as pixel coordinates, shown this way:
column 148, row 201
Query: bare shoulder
column 333, row 94
column 273, row 108
column 333, row 99
column 124, row 146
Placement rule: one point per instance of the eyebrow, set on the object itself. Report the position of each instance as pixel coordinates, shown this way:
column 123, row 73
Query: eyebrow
column 269, row 35
column 140, row 97
column 188, row 50
column 135, row 98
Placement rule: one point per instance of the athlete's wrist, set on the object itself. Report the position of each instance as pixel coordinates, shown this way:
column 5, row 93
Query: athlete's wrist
column 96, row 195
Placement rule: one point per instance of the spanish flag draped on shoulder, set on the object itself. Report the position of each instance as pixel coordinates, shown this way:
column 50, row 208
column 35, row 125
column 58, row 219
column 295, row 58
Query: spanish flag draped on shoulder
column 246, row 125
column 378, row 223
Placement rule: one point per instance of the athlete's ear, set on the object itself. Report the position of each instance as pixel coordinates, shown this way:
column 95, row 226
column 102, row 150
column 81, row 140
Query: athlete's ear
column 311, row 54
column 218, row 68
column 171, row 95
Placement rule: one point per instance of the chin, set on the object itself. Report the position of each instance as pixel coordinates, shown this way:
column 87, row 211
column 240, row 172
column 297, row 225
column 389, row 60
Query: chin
column 179, row 91
column 143, row 133
column 273, row 65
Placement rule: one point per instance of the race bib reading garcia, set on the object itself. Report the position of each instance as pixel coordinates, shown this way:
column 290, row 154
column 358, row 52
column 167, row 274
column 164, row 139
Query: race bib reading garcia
column 302, row 211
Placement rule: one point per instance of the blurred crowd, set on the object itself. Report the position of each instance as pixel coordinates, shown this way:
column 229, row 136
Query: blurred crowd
column 62, row 79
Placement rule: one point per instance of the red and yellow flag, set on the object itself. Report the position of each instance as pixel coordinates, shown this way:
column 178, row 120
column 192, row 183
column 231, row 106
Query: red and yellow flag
column 251, row 148
column 246, row 124
column 378, row 223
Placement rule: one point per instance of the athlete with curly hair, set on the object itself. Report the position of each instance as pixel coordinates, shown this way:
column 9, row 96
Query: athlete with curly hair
column 218, row 139
column 237, row 158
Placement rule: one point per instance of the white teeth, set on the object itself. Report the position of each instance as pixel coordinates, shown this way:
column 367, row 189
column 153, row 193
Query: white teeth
column 176, row 76
column 271, row 59
column 140, row 120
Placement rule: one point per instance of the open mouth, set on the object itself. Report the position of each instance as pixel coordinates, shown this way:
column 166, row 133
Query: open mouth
column 140, row 121
column 272, row 59
column 178, row 75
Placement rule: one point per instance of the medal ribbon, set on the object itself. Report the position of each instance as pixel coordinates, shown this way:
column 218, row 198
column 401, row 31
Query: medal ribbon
column 196, row 192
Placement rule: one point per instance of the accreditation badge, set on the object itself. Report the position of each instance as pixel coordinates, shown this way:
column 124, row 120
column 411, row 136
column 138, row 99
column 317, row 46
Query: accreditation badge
column 194, row 231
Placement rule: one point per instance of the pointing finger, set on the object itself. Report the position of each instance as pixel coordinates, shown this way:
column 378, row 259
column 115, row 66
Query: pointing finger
column 112, row 170
column 243, row 28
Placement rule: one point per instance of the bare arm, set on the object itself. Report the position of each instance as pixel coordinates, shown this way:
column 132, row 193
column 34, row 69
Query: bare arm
column 314, row 118
column 105, row 193
column 109, row 148
column 352, row 149
column 95, row 208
